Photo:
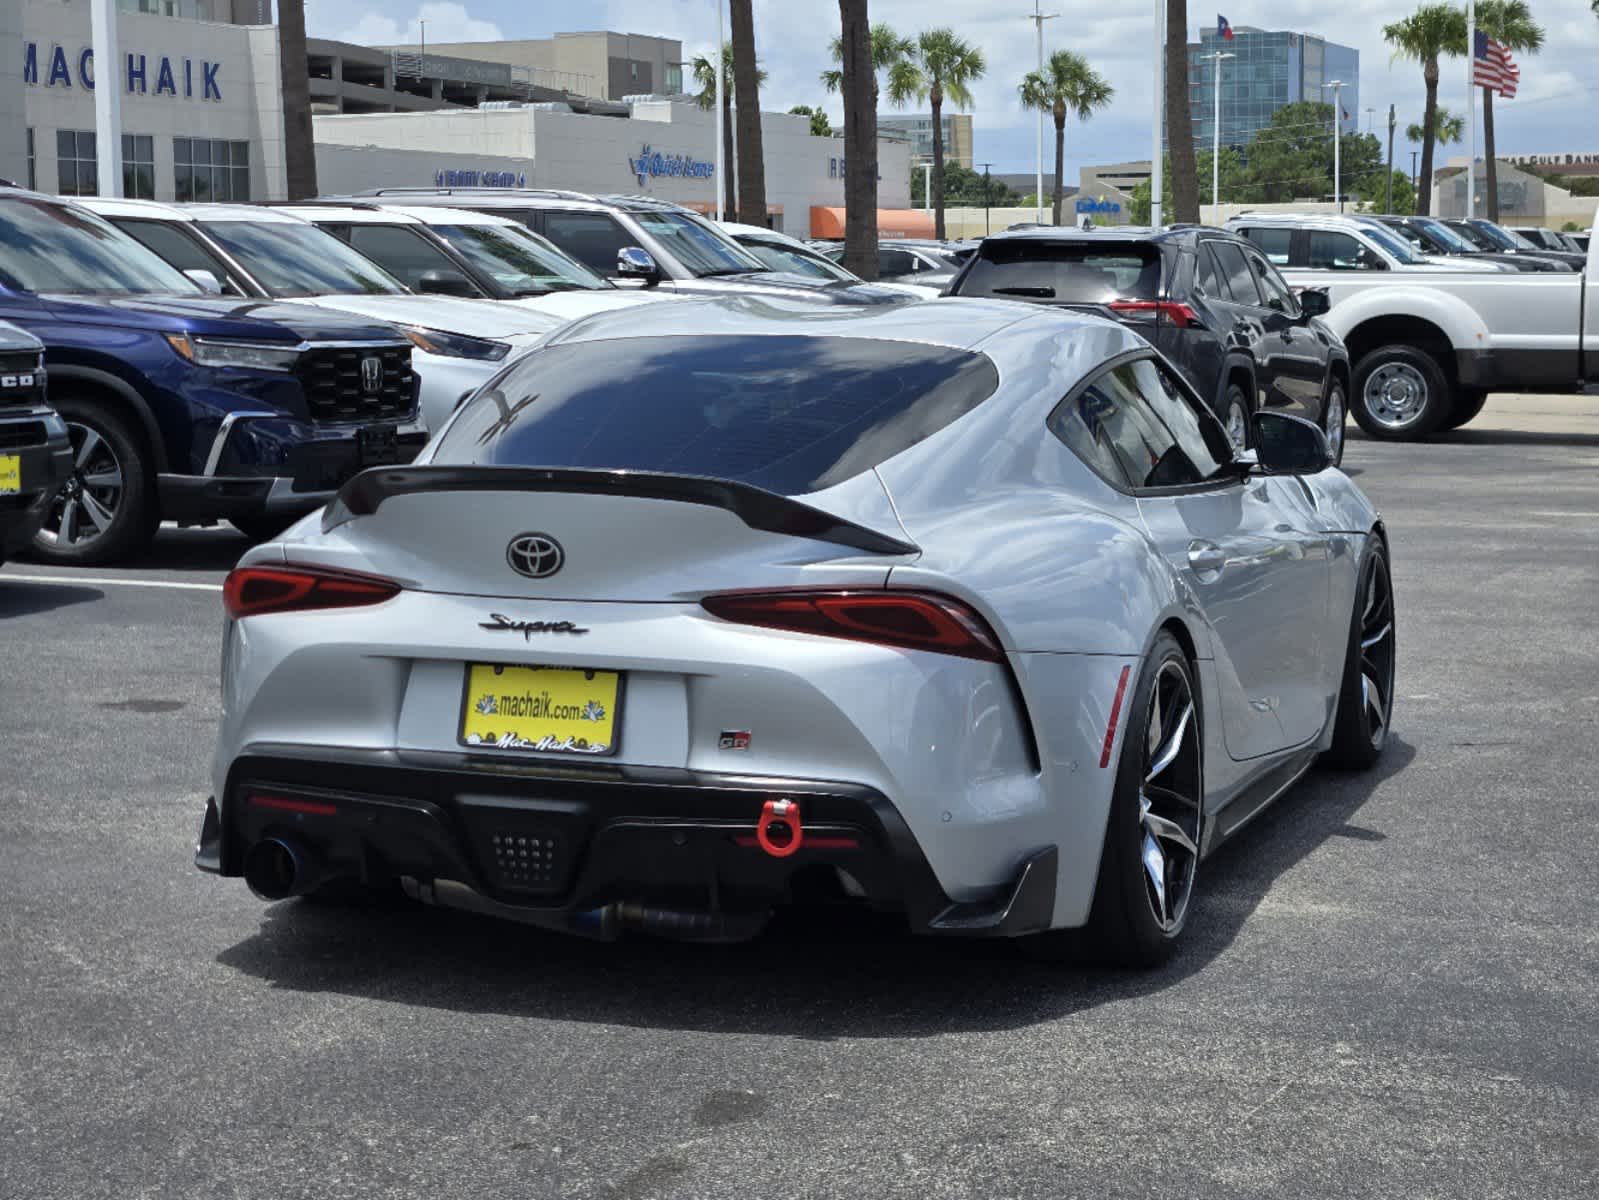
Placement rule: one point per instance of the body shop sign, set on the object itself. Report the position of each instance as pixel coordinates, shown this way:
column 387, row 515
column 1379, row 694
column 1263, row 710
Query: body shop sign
column 143, row 75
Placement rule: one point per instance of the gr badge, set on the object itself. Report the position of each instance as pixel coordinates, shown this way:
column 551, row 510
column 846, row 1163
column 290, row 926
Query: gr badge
column 734, row 739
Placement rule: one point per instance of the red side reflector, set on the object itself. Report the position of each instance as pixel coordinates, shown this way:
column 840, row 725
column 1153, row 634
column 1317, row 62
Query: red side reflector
column 1179, row 315
column 909, row 620
column 256, row 591
column 313, row 808
column 1115, row 717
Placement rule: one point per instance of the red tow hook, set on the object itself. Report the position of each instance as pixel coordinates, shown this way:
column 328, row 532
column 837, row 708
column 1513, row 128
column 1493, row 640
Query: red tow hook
column 780, row 832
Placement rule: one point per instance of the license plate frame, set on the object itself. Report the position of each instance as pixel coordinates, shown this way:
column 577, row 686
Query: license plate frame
column 529, row 675
column 378, row 445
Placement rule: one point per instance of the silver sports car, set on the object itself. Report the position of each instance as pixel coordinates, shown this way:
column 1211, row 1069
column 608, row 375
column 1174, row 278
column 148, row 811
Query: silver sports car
column 963, row 609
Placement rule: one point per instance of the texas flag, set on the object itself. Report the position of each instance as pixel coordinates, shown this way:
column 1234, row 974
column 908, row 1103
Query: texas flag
column 1224, row 29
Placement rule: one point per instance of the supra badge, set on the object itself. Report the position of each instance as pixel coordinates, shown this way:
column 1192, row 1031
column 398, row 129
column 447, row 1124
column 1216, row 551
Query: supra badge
column 527, row 629
column 734, row 739
column 536, row 555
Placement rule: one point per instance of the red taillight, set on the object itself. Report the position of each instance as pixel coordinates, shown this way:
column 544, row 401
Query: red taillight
column 253, row 591
column 311, row 808
column 1115, row 717
column 911, row 620
column 1179, row 315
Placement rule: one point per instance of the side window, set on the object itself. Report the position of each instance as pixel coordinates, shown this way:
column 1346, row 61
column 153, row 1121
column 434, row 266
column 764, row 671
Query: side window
column 1240, row 279
column 1080, row 422
column 1271, row 285
column 894, row 262
column 1336, row 252
column 400, row 251
column 1198, row 434
column 179, row 249
column 592, row 238
column 1116, row 413
column 1207, row 277
column 1275, row 244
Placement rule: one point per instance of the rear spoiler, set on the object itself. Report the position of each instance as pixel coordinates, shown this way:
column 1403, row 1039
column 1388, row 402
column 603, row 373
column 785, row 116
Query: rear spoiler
column 756, row 507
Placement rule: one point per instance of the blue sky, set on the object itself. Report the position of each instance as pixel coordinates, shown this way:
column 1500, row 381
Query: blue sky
column 1560, row 86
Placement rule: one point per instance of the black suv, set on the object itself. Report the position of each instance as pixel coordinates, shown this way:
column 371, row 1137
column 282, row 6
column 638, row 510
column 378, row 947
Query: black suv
column 1431, row 236
column 1207, row 299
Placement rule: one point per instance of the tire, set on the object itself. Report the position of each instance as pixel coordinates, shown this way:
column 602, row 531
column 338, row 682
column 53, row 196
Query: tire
column 1235, row 414
column 1334, row 415
column 1401, row 394
column 1366, row 691
column 1128, row 924
column 261, row 528
column 106, row 511
column 1468, row 405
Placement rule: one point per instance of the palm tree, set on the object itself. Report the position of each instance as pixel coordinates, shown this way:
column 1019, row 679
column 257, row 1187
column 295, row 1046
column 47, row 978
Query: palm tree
column 1179, row 120
column 704, row 71
column 893, row 57
column 856, row 50
column 1432, row 30
column 1068, row 84
column 1510, row 23
column 950, row 65
column 1448, row 128
column 299, row 147
column 747, row 95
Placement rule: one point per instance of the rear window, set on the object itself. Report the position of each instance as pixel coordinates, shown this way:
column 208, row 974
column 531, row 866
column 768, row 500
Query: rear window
column 1064, row 272
column 786, row 413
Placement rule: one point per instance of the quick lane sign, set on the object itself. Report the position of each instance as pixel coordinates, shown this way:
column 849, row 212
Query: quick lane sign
column 145, row 75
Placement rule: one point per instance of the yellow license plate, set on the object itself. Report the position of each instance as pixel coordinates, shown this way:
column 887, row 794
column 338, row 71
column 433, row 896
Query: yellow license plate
column 10, row 474
column 552, row 710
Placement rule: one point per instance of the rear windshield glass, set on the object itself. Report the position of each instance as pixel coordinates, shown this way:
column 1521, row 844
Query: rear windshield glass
column 1064, row 273
column 786, row 413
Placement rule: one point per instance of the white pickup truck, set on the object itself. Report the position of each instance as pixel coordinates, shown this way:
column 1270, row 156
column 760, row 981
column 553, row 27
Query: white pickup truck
column 1428, row 347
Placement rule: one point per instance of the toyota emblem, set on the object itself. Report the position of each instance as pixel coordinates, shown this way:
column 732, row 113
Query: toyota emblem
column 536, row 555
column 372, row 375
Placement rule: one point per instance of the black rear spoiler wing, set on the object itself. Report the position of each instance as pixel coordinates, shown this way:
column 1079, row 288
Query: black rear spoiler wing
column 756, row 507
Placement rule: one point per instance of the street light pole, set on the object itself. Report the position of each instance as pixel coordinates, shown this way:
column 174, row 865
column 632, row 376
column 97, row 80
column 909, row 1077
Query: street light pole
column 1156, row 162
column 1389, row 207
column 1414, row 195
column 1337, row 86
column 721, row 163
column 987, row 199
column 1471, row 109
column 1038, row 16
column 927, row 185
column 1215, row 140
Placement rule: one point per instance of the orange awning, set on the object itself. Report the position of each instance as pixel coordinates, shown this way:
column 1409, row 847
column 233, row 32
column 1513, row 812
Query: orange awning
column 828, row 222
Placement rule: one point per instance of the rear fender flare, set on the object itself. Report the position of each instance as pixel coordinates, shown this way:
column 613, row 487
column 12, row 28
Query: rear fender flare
column 1234, row 364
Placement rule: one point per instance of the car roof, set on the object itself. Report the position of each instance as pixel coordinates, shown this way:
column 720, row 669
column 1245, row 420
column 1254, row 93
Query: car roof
column 1109, row 233
column 962, row 324
column 761, row 233
column 116, row 206
column 354, row 214
column 1300, row 220
column 519, row 198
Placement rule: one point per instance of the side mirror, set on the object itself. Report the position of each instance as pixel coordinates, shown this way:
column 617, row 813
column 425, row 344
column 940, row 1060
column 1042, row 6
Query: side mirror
column 633, row 262
column 209, row 283
column 445, row 283
column 1287, row 445
column 1369, row 260
column 1315, row 302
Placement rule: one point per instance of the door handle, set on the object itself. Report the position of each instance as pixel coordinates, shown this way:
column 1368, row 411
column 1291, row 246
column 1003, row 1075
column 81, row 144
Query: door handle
column 1206, row 556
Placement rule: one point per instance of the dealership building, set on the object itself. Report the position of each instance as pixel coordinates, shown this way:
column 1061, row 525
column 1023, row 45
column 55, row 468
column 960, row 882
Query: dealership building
column 202, row 116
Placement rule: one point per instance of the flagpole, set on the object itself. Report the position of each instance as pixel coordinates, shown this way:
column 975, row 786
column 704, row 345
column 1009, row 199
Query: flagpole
column 1038, row 17
column 1471, row 109
column 1159, row 123
column 1337, row 86
column 1215, row 140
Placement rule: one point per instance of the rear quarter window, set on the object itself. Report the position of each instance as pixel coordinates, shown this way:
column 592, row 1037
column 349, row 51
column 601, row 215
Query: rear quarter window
column 788, row 413
column 1064, row 272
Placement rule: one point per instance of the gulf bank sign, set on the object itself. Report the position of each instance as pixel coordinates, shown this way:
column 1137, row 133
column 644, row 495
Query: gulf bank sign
column 145, row 75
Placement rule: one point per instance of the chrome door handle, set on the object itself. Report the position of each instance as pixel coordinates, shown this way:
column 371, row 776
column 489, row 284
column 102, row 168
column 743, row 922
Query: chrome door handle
column 1206, row 556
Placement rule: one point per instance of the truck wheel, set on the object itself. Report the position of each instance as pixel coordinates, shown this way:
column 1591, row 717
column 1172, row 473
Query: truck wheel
column 107, row 510
column 1235, row 417
column 1401, row 394
column 1468, row 404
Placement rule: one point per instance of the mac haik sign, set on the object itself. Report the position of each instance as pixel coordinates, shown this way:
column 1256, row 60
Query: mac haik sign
column 143, row 74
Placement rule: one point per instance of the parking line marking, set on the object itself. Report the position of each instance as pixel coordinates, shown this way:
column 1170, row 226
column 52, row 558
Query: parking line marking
column 107, row 581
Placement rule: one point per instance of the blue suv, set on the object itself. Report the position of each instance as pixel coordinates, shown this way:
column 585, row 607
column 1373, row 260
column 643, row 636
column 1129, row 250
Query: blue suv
column 182, row 407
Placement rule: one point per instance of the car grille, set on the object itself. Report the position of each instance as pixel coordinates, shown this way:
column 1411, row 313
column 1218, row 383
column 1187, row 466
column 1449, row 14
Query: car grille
column 336, row 394
column 22, row 433
column 21, row 378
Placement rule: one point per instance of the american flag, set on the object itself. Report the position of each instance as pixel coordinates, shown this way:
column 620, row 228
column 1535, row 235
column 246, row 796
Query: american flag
column 1492, row 67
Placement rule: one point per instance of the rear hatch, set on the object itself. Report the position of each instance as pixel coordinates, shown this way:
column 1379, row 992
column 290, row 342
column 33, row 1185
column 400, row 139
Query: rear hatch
column 1116, row 278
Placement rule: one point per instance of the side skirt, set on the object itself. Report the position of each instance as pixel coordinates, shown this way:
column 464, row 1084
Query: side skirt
column 1255, row 798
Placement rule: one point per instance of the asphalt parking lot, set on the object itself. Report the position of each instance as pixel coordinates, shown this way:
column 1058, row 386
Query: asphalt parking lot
column 1389, row 989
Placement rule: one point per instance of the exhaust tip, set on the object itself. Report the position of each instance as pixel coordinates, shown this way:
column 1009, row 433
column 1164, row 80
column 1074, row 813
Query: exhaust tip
column 276, row 869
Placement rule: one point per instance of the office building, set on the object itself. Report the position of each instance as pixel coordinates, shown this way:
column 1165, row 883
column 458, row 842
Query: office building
column 917, row 129
column 1269, row 70
column 605, row 65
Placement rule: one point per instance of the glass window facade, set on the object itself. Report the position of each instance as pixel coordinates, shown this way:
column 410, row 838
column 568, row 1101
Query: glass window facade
column 1269, row 70
column 138, row 166
column 207, row 169
column 76, row 171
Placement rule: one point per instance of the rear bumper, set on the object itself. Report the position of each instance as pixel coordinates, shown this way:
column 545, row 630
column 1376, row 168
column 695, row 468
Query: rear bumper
column 556, row 846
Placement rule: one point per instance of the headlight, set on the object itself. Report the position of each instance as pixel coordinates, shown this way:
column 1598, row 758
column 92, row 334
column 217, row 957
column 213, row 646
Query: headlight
column 455, row 345
column 257, row 356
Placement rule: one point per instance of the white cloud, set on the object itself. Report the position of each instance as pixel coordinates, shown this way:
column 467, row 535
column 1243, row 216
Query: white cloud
column 446, row 22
